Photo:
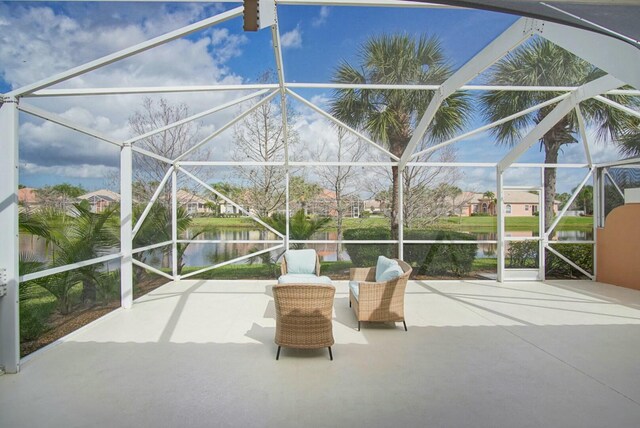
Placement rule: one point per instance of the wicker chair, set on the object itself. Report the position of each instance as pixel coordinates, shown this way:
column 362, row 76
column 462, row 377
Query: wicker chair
column 284, row 270
column 310, row 276
column 379, row 301
column 303, row 316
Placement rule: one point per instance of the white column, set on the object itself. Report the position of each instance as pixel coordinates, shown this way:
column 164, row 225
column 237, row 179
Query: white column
column 126, row 226
column 174, row 223
column 544, row 237
column 597, row 195
column 401, row 213
column 500, row 216
column 287, row 211
column 9, row 308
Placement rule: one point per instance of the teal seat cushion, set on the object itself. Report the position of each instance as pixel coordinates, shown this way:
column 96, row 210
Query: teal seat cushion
column 302, row 278
column 382, row 265
column 301, row 261
column 391, row 273
column 355, row 288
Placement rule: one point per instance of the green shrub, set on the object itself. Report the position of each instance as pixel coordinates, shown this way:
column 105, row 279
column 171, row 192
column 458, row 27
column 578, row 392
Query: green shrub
column 481, row 214
column 431, row 259
column 440, row 259
column 580, row 254
column 522, row 254
column 367, row 254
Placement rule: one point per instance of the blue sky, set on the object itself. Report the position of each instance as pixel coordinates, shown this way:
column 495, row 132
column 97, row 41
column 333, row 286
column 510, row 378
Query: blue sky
column 40, row 39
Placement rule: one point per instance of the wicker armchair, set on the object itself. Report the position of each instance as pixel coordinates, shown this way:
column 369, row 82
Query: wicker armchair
column 310, row 273
column 284, row 270
column 303, row 316
column 378, row 301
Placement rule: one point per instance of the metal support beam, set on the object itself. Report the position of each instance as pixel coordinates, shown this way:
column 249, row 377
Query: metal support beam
column 71, row 92
column 126, row 222
column 153, row 200
column 619, row 106
column 400, row 214
column 9, row 307
column 277, row 53
column 174, row 222
column 125, row 53
column 512, row 37
column 615, row 185
column 342, row 125
column 197, row 116
column 54, row 118
column 568, row 204
column 583, row 135
column 614, row 56
column 500, row 253
column 490, row 125
column 226, row 126
column 565, row 106
column 221, row 196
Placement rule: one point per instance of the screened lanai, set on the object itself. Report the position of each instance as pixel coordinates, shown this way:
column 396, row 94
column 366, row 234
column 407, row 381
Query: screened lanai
column 514, row 170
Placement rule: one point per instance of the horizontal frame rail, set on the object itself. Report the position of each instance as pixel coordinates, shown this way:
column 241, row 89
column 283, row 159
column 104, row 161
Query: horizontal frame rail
column 229, row 241
column 66, row 268
column 228, row 262
column 151, row 247
column 152, row 269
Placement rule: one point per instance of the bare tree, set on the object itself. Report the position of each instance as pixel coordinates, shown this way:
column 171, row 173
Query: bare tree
column 342, row 179
column 429, row 193
column 259, row 137
column 148, row 171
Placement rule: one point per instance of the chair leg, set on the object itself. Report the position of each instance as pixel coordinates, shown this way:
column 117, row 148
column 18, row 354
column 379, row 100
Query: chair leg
column 278, row 354
column 405, row 325
column 358, row 325
column 330, row 354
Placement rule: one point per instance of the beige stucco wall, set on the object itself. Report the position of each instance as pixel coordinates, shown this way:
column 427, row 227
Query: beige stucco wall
column 618, row 248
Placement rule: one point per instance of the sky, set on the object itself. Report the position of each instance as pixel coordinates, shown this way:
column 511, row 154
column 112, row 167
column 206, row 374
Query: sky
column 40, row 39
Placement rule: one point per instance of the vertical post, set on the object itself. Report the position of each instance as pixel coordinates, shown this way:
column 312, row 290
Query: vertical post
column 500, row 217
column 126, row 226
column 174, row 222
column 9, row 307
column 400, row 213
column 544, row 238
column 596, row 217
column 286, row 208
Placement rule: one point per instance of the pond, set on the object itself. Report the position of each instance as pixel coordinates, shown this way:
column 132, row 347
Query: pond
column 206, row 254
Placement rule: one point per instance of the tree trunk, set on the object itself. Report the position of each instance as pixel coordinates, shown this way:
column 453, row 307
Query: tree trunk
column 551, row 156
column 88, row 291
column 395, row 208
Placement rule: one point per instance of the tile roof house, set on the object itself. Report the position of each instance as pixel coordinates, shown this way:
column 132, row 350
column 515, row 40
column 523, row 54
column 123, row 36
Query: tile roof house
column 99, row 200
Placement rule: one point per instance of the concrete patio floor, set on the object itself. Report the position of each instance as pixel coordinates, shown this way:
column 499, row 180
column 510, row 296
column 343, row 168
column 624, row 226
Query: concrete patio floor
column 477, row 354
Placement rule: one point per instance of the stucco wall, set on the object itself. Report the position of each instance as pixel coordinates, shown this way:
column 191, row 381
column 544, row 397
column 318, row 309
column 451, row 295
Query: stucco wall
column 618, row 248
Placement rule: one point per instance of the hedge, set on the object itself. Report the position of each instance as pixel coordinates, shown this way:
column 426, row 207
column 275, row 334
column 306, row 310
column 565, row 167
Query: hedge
column 430, row 259
column 525, row 255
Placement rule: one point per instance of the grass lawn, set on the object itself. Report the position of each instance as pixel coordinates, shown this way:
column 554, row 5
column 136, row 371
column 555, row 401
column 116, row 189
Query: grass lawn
column 480, row 224
column 223, row 222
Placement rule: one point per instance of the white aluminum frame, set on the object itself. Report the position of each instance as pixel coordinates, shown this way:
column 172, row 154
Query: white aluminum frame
column 614, row 56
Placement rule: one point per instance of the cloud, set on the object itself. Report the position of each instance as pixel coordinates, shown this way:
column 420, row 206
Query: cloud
column 45, row 41
column 321, row 19
column 75, row 171
column 292, row 39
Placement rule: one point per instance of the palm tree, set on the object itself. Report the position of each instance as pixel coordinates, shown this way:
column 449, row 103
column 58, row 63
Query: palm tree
column 301, row 226
column 390, row 116
column 156, row 228
column 80, row 236
column 542, row 63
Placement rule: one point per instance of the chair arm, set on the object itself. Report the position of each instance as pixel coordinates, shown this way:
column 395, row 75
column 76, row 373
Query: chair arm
column 362, row 274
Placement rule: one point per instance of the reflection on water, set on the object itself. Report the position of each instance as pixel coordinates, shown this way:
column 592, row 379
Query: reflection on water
column 206, row 254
